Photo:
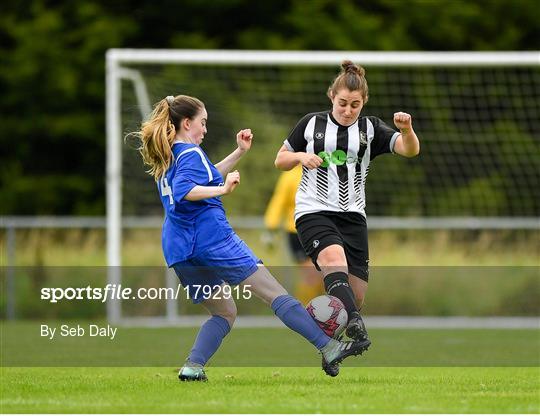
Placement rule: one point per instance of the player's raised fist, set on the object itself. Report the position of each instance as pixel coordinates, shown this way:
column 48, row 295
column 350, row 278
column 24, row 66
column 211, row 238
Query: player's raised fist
column 243, row 139
column 402, row 120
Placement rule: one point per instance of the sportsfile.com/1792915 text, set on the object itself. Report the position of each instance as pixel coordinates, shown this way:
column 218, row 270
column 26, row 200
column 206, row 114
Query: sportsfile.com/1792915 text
column 118, row 292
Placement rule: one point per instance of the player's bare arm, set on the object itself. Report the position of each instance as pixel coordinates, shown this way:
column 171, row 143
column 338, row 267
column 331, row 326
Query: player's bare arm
column 286, row 160
column 244, row 138
column 204, row 192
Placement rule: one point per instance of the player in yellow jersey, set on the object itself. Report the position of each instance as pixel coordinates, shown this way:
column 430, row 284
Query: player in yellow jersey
column 280, row 214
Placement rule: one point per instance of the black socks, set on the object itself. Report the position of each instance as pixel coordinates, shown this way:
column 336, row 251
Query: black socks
column 337, row 284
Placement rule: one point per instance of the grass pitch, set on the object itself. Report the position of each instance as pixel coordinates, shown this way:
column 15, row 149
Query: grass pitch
column 405, row 371
column 271, row 390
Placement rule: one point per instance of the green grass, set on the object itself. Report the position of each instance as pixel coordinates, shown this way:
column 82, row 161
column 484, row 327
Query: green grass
column 270, row 371
column 273, row 370
column 271, row 390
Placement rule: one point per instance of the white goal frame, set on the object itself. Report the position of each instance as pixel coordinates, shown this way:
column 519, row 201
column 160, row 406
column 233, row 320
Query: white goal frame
column 115, row 73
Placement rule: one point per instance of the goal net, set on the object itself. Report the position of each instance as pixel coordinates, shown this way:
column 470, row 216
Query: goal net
column 476, row 114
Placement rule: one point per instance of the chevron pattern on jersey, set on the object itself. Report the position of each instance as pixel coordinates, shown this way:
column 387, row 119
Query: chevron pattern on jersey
column 358, row 186
column 359, row 195
column 303, row 186
column 322, row 186
column 343, row 195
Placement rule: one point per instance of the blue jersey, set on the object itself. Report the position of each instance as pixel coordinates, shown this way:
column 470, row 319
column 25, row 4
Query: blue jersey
column 190, row 227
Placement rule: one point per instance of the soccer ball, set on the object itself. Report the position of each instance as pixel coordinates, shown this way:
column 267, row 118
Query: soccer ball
column 329, row 313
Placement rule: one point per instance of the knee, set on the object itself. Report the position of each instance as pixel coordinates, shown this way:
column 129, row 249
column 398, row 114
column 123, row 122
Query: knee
column 332, row 256
column 265, row 286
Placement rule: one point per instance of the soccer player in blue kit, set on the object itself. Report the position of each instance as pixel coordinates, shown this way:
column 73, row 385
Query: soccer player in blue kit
column 198, row 241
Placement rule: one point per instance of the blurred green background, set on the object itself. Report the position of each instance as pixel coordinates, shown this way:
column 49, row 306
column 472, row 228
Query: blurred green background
column 52, row 75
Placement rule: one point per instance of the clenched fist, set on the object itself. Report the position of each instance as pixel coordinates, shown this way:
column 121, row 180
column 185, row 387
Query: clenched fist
column 232, row 181
column 403, row 121
column 310, row 160
column 243, row 139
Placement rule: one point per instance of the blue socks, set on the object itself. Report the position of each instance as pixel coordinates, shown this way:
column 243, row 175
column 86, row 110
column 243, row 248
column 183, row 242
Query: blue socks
column 286, row 308
column 209, row 339
column 292, row 313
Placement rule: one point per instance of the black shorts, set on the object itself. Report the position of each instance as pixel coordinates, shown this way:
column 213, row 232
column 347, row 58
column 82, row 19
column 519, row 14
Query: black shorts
column 347, row 229
column 297, row 251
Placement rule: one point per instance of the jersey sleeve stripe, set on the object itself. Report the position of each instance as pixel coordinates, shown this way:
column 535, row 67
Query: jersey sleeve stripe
column 393, row 141
column 288, row 146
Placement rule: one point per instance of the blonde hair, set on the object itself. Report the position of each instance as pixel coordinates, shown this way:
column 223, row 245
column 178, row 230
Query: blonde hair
column 157, row 134
column 352, row 77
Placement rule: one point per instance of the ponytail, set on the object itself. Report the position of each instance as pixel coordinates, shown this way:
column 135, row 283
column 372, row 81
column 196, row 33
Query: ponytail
column 158, row 133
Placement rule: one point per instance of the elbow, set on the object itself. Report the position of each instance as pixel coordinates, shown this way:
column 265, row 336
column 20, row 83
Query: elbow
column 284, row 161
column 417, row 150
column 414, row 152
column 278, row 163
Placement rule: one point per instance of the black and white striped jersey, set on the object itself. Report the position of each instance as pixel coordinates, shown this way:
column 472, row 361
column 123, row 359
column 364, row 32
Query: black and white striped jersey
column 339, row 183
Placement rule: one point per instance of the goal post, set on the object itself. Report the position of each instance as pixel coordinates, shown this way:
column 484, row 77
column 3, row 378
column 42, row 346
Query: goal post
column 476, row 114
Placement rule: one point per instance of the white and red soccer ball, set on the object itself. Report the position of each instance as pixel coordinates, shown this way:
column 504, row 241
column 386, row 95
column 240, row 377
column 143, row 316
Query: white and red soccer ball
column 329, row 313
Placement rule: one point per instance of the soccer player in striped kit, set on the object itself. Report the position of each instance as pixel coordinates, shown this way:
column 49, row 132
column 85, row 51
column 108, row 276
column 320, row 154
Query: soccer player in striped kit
column 335, row 149
column 198, row 241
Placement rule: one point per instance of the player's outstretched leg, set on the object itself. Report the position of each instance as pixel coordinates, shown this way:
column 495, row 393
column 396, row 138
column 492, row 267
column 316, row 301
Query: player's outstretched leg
column 291, row 312
column 209, row 338
column 337, row 284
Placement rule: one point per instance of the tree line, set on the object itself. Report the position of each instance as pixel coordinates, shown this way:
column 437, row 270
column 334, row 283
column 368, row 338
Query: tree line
column 52, row 75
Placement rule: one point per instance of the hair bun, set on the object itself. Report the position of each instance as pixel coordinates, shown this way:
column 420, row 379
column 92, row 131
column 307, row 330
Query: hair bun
column 350, row 66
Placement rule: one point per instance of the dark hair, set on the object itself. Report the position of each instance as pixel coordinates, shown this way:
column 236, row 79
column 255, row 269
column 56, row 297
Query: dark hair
column 158, row 132
column 352, row 77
